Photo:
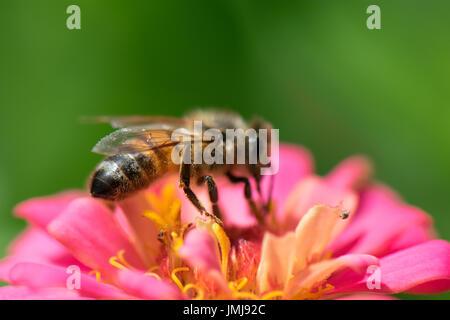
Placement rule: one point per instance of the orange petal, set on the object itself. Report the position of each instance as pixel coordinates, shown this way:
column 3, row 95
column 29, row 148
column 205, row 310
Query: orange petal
column 313, row 233
column 277, row 254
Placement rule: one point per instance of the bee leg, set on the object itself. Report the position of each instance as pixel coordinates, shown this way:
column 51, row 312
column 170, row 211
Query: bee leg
column 213, row 194
column 247, row 194
column 268, row 205
column 185, row 178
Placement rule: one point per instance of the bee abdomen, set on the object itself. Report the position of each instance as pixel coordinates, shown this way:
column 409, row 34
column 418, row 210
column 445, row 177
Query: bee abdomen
column 121, row 175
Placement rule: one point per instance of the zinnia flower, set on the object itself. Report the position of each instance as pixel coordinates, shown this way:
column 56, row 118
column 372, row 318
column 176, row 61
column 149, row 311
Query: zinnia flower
column 338, row 236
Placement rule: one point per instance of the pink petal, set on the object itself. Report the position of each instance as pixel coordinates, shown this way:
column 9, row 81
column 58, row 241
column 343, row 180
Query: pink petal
column 312, row 191
column 410, row 237
column 380, row 220
column 25, row 293
column 40, row 211
column 367, row 297
column 200, row 251
column 36, row 245
column 235, row 208
column 87, row 228
column 52, row 276
column 143, row 230
column 146, row 287
column 431, row 287
column 422, row 268
column 295, row 164
column 353, row 173
column 416, row 266
column 317, row 273
column 122, row 220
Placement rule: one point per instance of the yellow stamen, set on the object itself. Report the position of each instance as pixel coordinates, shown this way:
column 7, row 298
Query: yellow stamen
column 175, row 278
column 173, row 214
column 153, row 268
column 122, row 263
column 304, row 294
column 166, row 216
column 224, row 244
column 272, row 294
column 156, row 218
column 113, row 262
column 97, row 275
column 122, row 259
column 177, row 239
column 242, row 282
column 162, row 203
column 246, row 295
column 154, row 202
column 168, row 193
column 152, row 274
column 199, row 293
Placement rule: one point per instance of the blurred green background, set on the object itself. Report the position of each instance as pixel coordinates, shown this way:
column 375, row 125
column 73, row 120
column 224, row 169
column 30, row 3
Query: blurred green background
column 311, row 67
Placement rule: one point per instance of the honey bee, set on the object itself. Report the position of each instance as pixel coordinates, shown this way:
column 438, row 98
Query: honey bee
column 141, row 151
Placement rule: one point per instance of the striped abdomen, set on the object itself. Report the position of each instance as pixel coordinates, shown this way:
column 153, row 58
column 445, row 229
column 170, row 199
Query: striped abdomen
column 121, row 175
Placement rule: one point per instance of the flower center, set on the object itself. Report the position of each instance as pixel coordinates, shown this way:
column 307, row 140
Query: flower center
column 238, row 264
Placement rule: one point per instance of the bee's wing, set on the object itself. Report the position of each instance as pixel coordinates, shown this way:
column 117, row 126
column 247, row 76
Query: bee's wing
column 131, row 140
column 149, row 122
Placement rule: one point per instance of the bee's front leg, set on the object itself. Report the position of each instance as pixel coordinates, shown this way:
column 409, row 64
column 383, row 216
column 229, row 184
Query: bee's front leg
column 213, row 194
column 185, row 179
